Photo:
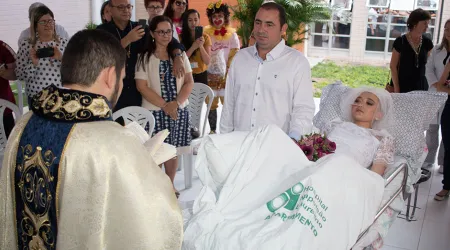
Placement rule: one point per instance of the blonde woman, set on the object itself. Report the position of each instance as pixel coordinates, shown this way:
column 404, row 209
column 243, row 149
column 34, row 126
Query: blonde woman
column 39, row 57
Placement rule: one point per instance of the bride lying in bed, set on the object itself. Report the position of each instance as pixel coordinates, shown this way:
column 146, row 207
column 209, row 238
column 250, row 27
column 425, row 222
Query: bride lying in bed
column 261, row 192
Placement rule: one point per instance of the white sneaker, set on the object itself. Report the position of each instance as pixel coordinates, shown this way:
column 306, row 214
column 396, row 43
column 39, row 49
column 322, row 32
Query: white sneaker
column 441, row 169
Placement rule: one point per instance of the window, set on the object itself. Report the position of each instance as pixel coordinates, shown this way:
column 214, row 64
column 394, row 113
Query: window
column 385, row 25
column 427, row 4
column 334, row 33
column 378, row 3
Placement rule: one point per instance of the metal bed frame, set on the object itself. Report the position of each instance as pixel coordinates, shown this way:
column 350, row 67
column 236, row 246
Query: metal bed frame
column 402, row 168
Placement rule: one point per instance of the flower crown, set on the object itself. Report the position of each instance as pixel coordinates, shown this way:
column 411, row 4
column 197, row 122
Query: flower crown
column 216, row 5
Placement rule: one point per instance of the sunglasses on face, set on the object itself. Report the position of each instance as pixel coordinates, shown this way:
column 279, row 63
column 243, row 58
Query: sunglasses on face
column 179, row 3
column 45, row 22
column 163, row 33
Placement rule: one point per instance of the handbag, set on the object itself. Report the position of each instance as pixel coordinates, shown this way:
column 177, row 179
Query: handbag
column 390, row 85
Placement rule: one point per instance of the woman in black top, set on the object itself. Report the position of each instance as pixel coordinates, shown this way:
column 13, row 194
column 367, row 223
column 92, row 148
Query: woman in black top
column 410, row 53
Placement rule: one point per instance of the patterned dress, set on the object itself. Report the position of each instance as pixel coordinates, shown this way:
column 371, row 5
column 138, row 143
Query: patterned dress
column 179, row 129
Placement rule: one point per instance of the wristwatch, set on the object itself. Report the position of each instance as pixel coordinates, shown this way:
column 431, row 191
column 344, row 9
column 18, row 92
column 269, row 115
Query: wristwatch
column 178, row 54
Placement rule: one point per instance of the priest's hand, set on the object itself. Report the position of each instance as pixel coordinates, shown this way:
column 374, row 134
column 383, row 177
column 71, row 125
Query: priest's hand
column 178, row 67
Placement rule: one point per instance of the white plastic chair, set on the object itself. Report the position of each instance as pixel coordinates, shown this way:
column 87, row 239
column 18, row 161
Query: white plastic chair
column 195, row 107
column 17, row 114
column 137, row 114
column 20, row 92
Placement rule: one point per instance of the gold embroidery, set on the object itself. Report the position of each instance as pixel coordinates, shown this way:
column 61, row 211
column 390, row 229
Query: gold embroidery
column 34, row 186
column 71, row 106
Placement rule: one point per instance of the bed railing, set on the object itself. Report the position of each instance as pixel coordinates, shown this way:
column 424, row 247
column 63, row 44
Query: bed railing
column 402, row 168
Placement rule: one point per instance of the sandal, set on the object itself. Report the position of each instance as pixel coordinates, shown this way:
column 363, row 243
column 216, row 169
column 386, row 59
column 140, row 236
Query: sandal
column 440, row 197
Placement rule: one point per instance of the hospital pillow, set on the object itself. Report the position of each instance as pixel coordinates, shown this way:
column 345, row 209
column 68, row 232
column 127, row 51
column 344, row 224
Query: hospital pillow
column 413, row 112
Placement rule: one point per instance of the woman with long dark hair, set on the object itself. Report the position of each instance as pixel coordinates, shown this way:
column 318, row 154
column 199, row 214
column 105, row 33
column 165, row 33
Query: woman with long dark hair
column 198, row 50
column 175, row 10
column 164, row 94
column 105, row 12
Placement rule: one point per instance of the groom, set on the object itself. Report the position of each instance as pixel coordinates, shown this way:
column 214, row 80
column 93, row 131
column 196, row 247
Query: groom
column 269, row 83
column 74, row 179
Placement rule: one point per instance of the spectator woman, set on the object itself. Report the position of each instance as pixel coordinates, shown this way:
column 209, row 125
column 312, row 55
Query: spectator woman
column 164, row 94
column 39, row 57
column 105, row 12
column 410, row 53
column 175, row 10
column 441, row 58
column 198, row 50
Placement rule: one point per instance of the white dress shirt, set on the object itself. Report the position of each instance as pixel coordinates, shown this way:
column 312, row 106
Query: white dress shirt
column 435, row 65
column 277, row 91
column 60, row 31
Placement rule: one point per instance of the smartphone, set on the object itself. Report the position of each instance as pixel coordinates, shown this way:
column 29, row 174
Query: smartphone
column 45, row 52
column 198, row 32
column 142, row 22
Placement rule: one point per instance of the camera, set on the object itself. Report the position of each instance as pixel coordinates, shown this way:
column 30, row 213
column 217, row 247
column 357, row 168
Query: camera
column 45, row 52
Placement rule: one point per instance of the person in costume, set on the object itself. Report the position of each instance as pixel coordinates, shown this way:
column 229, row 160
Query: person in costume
column 72, row 178
column 225, row 44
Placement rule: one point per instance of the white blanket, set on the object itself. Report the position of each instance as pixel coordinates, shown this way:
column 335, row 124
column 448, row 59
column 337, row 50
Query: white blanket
column 260, row 192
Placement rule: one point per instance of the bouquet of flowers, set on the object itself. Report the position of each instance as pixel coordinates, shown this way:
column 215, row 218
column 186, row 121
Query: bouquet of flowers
column 316, row 146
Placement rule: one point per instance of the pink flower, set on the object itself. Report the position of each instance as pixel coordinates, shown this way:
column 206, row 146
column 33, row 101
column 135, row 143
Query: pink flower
column 308, row 151
column 319, row 140
column 332, row 146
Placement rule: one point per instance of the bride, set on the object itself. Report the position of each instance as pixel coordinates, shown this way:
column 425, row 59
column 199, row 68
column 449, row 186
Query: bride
column 261, row 192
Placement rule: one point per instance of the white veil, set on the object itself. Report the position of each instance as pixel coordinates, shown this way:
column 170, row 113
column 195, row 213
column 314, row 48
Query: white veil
column 386, row 122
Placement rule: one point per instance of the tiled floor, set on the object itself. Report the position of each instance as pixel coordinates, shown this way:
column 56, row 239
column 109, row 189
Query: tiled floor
column 431, row 231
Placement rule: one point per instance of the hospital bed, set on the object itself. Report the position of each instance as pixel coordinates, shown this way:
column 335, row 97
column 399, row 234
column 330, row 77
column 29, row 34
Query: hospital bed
column 413, row 113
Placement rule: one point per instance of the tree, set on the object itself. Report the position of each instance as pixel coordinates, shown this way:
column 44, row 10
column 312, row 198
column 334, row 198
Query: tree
column 299, row 14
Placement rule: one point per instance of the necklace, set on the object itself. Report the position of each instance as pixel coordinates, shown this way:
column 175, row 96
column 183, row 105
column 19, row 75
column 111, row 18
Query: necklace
column 129, row 45
column 416, row 49
column 163, row 74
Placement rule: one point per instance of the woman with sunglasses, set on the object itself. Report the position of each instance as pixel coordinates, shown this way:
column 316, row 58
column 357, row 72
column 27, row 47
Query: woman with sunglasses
column 175, row 10
column 410, row 53
column 165, row 95
column 39, row 57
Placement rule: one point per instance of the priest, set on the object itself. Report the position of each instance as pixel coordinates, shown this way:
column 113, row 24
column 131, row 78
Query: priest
column 74, row 179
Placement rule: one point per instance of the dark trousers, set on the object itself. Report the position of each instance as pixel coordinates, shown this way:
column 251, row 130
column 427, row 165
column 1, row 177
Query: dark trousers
column 445, row 129
column 8, row 123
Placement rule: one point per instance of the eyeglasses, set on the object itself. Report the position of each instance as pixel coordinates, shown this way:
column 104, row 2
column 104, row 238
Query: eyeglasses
column 154, row 8
column 123, row 7
column 45, row 22
column 179, row 3
column 163, row 33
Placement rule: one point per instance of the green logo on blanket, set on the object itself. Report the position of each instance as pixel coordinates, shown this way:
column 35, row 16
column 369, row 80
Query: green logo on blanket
column 312, row 206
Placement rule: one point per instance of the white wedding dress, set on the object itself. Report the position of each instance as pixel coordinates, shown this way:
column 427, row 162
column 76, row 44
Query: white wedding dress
column 261, row 192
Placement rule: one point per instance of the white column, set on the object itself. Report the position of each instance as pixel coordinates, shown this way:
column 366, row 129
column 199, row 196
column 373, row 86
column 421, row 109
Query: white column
column 96, row 6
column 133, row 13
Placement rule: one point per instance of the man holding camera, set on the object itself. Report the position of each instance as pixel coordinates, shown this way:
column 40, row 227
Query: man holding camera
column 132, row 36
